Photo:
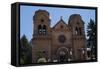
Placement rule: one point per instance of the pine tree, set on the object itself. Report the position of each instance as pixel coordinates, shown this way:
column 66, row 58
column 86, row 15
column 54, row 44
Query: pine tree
column 25, row 51
column 92, row 40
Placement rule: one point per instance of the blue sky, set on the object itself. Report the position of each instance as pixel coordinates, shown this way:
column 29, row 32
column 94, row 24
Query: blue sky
column 27, row 12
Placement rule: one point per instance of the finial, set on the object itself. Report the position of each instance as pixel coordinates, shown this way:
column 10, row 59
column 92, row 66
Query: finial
column 61, row 17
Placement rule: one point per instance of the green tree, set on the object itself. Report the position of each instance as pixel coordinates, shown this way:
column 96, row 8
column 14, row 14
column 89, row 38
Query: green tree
column 25, row 51
column 92, row 37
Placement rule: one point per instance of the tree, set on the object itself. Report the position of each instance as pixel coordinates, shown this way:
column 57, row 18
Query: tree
column 92, row 38
column 25, row 51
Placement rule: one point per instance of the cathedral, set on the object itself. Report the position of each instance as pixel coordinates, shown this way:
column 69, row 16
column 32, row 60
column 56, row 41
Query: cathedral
column 63, row 42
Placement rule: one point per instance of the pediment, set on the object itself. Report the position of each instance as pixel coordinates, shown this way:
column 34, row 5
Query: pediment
column 60, row 25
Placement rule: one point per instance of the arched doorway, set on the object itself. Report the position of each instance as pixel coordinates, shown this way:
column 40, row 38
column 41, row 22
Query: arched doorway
column 62, row 54
column 41, row 60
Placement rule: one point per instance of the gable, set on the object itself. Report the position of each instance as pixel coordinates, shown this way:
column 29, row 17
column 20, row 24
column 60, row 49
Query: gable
column 60, row 25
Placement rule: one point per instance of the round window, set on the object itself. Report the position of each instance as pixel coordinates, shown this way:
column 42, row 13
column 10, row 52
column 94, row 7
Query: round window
column 42, row 20
column 61, row 38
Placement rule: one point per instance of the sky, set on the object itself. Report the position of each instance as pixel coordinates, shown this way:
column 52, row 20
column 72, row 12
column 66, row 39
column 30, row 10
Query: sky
column 27, row 13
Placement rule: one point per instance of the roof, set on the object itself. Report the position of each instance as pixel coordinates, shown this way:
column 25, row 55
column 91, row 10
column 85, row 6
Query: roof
column 60, row 21
column 39, row 11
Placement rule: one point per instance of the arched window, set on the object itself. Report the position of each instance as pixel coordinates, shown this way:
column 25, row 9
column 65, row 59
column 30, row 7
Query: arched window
column 44, row 29
column 76, row 30
column 39, row 29
column 80, row 31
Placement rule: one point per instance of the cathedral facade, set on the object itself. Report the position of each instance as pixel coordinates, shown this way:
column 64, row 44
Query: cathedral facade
column 61, row 43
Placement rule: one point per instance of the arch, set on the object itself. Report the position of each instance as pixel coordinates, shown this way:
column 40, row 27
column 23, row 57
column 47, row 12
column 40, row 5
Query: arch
column 39, row 29
column 42, row 60
column 62, row 38
column 44, row 29
column 80, row 31
column 62, row 54
column 76, row 31
column 62, row 48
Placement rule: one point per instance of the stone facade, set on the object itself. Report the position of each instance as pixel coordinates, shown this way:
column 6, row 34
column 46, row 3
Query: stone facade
column 60, row 43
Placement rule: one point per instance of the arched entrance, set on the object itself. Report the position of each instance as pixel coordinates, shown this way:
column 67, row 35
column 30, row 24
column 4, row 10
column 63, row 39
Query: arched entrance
column 41, row 60
column 62, row 54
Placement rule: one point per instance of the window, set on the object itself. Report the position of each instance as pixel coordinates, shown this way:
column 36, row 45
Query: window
column 61, row 38
column 42, row 20
column 39, row 29
column 80, row 31
column 44, row 29
column 61, row 26
column 76, row 30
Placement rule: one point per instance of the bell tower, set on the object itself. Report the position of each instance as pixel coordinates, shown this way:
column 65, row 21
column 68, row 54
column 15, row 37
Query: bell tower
column 78, row 36
column 41, row 23
column 41, row 36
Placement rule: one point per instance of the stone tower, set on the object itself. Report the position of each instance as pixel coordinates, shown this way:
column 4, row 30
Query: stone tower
column 41, row 35
column 78, row 36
